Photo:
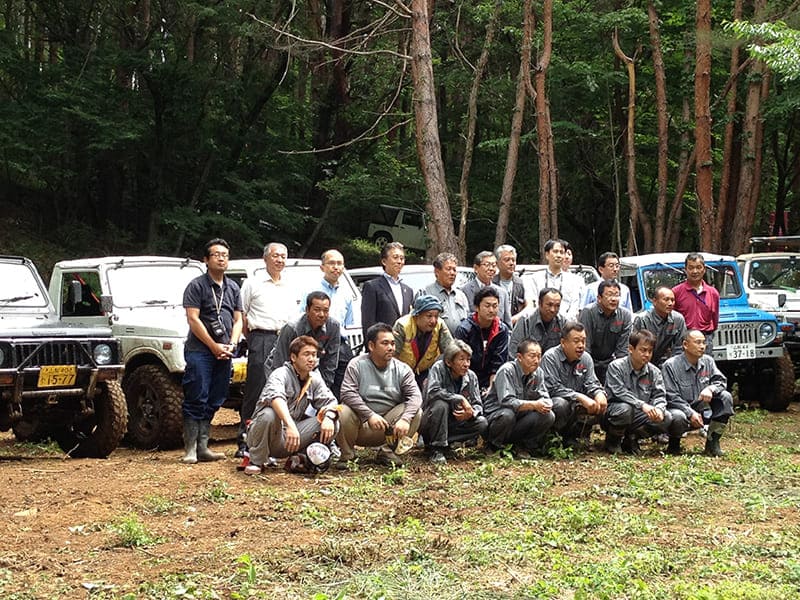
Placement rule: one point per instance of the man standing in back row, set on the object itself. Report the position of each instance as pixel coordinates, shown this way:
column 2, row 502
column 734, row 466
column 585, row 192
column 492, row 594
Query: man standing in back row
column 385, row 299
column 569, row 285
column 696, row 300
column 268, row 302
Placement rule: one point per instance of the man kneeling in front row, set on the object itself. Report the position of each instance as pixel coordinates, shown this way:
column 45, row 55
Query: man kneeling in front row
column 379, row 396
column 695, row 385
column 295, row 409
column 637, row 403
column 452, row 407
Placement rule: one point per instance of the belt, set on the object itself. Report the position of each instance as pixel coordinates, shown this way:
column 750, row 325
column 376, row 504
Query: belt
column 264, row 331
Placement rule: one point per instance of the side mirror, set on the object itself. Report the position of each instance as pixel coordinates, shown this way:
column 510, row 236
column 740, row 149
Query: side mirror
column 781, row 300
column 75, row 292
column 106, row 304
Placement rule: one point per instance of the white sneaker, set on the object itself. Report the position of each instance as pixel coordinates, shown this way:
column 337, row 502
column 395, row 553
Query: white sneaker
column 252, row 469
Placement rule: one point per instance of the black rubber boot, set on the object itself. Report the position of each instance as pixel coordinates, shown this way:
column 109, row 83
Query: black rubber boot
column 630, row 445
column 712, row 445
column 674, row 446
column 613, row 444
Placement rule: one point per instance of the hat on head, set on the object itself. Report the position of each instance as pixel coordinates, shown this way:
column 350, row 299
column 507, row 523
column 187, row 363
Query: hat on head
column 425, row 303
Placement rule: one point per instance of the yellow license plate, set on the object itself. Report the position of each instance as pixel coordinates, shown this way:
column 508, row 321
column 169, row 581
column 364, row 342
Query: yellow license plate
column 239, row 371
column 57, row 376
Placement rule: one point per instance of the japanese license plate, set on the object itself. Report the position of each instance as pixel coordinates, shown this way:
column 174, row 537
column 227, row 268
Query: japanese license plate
column 57, row 376
column 239, row 371
column 740, row 351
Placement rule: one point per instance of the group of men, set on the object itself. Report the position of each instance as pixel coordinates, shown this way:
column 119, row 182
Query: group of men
column 498, row 359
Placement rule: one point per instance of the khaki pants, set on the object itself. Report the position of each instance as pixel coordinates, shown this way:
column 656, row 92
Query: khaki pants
column 353, row 432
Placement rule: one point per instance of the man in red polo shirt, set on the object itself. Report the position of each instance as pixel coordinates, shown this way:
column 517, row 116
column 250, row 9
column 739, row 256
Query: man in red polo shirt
column 697, row 300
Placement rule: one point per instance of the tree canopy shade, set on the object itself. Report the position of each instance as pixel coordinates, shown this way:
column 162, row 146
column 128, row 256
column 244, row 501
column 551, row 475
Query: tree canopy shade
column 130, row 126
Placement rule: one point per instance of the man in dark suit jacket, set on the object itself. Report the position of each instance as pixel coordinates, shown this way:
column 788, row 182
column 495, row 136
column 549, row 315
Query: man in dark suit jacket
column 385, row 299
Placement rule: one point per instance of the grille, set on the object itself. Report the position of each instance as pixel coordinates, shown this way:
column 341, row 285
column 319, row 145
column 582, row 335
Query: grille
column 48, row 352
column 736, row 333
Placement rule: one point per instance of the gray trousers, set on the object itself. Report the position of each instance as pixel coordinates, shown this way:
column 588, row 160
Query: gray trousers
column 721, row 411
column 623, row 418
column 259, row 345
column 355, row 433
column 525, row 428
column 440, row 428
column 266, row 436
column 572, row 420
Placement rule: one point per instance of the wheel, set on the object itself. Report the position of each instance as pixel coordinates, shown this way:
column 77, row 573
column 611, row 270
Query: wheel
column 31, row 431
column 155, row 400
column 776, row 385
column 99, row 435
column 382, row 238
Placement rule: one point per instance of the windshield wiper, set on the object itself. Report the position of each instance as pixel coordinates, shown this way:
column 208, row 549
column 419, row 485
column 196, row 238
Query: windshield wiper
column 150, row 302
column 17, row 298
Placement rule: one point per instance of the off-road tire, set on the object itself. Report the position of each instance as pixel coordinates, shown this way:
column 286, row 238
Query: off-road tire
column 155, row 403
column 31, row 431
column 382, row 238
column 776, row 386
column 98, row 435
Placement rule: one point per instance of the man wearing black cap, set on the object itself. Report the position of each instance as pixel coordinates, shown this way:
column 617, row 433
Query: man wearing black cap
column 421, row 337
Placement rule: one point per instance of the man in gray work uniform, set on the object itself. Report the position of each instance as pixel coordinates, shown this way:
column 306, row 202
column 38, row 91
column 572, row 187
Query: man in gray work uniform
column 569, row 375
column 667, row 324
column 608, row 326
column 694, row 385
column 637, row 403
column 543, row 325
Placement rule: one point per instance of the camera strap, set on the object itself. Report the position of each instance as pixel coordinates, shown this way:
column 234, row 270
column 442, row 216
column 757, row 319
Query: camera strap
column 218, row 303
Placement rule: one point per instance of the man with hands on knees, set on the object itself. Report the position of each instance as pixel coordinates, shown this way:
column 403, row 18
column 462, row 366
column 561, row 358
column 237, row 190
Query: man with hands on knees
column 518, row 407
column 637, row 404
column 379, row 397
column 295, row 409
column 569, row 374
column 452, row 407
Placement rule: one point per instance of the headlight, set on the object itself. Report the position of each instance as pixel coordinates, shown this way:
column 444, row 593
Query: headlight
column 102, row 354
column 766, row 332
column 2, row 357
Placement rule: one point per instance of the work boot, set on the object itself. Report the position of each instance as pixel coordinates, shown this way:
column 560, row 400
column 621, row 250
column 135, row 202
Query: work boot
column 203, row 453
column 674, row 446
column 613, row 444
column 712, row 445
column 191, row 430
column 630, row 445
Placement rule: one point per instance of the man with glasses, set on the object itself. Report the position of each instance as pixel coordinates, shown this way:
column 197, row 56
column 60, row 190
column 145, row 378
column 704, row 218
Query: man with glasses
column 214, row 312
column 332, row 267
column 485, row 266
column 569, row 285
column 608, row 267
column 268, row 301
column 608, row 327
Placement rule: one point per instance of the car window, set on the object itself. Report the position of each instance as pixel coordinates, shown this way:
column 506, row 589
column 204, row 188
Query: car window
column 20, row 287
column 721, row 276
column 412, row 218
column 775, row 273
column 151, row 285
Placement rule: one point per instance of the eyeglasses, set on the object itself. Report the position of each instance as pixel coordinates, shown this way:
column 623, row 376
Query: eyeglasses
column 219, row 255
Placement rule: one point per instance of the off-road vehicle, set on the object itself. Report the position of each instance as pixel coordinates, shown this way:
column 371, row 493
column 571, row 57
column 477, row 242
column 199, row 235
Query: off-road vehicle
column 748, row 345
column 144, row 297
column 56, row 381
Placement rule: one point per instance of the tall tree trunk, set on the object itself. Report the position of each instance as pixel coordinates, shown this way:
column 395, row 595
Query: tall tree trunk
column 704, row 179
column 429, row 149
column 548, row 172
column 726, row 190
column 472, row 121
column 662, row 119
column 638, row 216
column 512, row 158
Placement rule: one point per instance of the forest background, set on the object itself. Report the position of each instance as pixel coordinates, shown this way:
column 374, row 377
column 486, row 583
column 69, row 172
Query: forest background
column 148, row 126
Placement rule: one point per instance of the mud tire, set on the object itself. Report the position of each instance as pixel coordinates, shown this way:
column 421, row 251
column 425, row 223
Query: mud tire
column 155, row 408
column 98, row 435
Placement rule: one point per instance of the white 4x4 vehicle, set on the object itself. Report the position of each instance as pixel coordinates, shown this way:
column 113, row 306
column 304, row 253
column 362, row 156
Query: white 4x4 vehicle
column 147, row 317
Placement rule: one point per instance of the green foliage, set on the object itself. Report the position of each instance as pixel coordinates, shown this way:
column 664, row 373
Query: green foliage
column 776, row 44
column 216, row 491
column 132, row 533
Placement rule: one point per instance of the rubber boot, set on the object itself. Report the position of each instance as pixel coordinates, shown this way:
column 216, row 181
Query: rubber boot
column 630, row 445
column 613, row 444
column 674, row 446
column 191, row 430
column 203, row 453
column 715, row 429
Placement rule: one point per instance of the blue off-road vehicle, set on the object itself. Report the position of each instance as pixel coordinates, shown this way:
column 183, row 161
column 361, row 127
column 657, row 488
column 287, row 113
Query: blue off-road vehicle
column 748, row 345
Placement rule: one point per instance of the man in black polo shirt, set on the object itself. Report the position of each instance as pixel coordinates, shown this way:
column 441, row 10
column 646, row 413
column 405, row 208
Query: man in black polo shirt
column 214, row 311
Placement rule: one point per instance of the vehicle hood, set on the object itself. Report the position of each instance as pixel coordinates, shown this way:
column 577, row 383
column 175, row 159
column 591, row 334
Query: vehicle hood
column 45, row 327
column 151, row 322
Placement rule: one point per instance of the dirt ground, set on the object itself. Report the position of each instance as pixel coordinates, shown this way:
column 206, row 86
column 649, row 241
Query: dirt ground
column 55, row 535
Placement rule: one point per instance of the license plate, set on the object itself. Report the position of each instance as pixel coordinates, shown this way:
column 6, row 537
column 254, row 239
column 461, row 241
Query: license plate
column 239, row 371
column 57, row 376
column 740, row 351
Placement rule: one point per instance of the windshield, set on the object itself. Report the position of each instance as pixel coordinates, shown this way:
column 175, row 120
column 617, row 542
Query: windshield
column 721, row 276
column 21, row 287
column 151, row 285
column 775, row 273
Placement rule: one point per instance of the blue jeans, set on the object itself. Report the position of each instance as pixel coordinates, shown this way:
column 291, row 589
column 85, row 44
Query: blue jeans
column 205, row 385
